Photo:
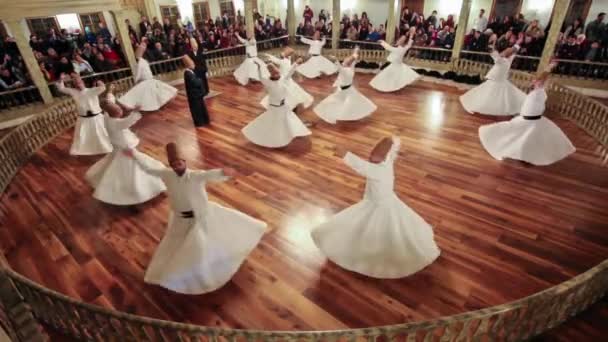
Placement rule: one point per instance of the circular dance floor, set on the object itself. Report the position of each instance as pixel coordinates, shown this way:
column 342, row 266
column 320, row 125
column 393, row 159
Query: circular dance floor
column 506, row 229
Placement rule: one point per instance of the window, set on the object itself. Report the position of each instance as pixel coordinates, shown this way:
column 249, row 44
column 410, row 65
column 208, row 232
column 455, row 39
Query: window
column 579, row 9
column 42, row 26
column 503, row 8
column 227, row 6
column 91, row 20
column 201, row 13
column 172, row 13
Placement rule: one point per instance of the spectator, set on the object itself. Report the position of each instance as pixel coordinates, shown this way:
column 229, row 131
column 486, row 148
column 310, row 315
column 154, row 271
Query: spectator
column 574, row 29
column 596, row 29
column 104, row 33
column 308, row 15
column 481, row 23
column 8, row 80
column 81, row 66
column 144, row 27
column 100, row 64
column 64, row 66
column 432, row 19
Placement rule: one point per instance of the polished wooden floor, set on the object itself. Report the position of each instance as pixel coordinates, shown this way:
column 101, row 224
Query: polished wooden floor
column 506, row 229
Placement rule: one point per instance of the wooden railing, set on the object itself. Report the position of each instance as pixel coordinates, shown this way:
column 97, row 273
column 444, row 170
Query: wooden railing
column 521, row 62
column 18, row 98
column 26, row 304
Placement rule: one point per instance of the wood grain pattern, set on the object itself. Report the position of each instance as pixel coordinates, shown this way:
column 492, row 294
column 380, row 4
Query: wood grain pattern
column 506, row 229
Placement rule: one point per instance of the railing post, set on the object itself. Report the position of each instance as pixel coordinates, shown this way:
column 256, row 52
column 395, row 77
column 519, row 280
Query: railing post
column 335, row 33
column 394, row 7
column 463, row 19
column 560, row 9
column 17, row 28
column 249, row 22
column 18, row 311
column 125, row 40
column 291, row 21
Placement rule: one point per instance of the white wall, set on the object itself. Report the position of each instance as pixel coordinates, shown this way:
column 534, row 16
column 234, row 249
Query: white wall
column 597, row 6
column 443, row 8
column 477, row 5
column 537, row 9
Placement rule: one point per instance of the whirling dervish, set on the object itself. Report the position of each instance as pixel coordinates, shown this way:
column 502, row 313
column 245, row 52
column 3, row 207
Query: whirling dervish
column 248, row 69
column 296, row 96
column 148, row 93
column 316, row 65
column 278, row 125
column 346, row 103
column 529, row 137
column 396, row 74
column 205, row 243
column 116, row 178
column 90, row 135
column 496, row 96
column 380, row 236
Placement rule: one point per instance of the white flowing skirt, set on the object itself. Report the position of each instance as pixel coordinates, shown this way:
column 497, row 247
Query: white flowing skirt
column 150, row 95
column 249, row 70
column 295, row 96
column 538, row 142
column 345, row 105
column 317, row 65
column 276, row 127
column 195, row 257
column 119, row 180
column 394, row 77
column 90, row 137
column 494, row 98
column 381, row 240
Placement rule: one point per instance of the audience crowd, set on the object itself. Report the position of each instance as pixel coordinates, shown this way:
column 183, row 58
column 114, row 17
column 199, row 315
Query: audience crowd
column 88, row 52
column 166, row 40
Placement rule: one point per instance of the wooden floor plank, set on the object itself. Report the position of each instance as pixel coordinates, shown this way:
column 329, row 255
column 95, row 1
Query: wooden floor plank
column 506, row 229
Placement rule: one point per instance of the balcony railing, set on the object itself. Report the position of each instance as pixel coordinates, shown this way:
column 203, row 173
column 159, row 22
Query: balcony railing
column 581, row 69
column 524, row 63
column 89, row 80
column 15, row 98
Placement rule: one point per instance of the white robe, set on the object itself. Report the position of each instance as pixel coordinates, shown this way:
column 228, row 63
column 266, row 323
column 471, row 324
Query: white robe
column 538, row 142
column 345, row 104
column 380, row 236
column 278, row 125
column 90, row 135
column 148, row 93
column 295, row 94
column 249, row 69
column 397, row 75
column 118, row 179
column 199, row 254
column 316, row 65
column 496, row 96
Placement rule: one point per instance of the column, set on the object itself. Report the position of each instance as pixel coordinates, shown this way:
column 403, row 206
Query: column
column 249, row 17
column 463, row 19
column 560, row 10
column 125, row 42
column 152, row 10
column 394, row 14
column 336, row 18
column 16, row 27
column 291, row 20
